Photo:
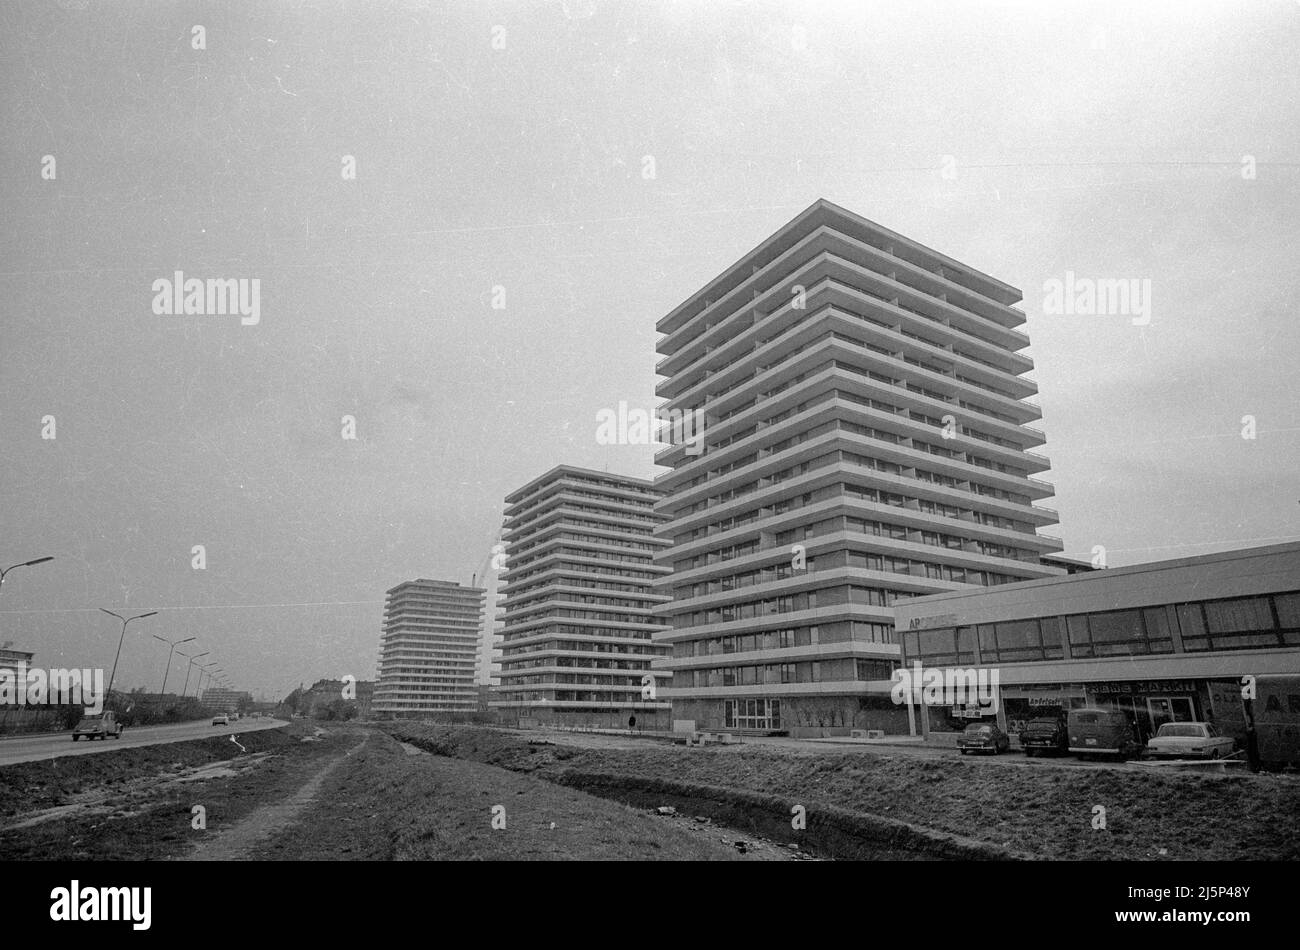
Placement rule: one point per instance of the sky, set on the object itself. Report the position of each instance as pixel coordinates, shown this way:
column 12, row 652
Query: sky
column 536, row 184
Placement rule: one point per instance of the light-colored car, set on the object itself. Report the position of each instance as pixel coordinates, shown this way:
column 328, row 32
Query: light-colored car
column 1199, row 739
column 221, row 719
column 98, row 727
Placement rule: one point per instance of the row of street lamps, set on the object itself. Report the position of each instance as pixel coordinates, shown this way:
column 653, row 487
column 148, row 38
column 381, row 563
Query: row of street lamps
column 211, row 669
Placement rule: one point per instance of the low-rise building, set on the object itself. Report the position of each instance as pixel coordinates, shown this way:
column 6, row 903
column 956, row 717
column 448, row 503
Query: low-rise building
column 16, row 662
column 1163, row 642
column 226, row 700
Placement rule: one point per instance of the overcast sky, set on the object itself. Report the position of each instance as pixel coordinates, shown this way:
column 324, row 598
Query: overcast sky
column 504, row 145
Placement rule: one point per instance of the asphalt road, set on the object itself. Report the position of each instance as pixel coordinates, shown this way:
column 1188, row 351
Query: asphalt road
column 33, row 748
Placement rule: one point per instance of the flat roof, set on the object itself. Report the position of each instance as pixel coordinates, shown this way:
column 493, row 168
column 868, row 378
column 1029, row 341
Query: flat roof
column 821, row 212
column 559, row 470
column 1104, row 576
column 432, row 583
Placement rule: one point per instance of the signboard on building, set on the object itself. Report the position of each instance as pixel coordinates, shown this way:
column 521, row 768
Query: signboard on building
column 938, row 620
column 1143, row 686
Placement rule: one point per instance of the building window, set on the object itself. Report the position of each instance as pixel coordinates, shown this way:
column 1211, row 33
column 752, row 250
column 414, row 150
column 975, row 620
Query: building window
column 752, row 713
column 943, row 647
column 874, row 669
column 1239, row 623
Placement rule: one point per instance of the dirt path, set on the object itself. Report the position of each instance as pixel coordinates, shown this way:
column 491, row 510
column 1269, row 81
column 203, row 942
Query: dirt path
column 237, row 842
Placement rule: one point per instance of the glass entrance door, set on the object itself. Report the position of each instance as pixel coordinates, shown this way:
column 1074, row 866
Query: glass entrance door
column 1165, row 709
column 1139, row 717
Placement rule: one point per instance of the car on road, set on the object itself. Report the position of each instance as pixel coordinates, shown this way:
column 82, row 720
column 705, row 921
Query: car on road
column 98, row 727
column 1044, row 735
column 1198, row 739
column 983, row 737
column 1102, row 732
column 221, row 719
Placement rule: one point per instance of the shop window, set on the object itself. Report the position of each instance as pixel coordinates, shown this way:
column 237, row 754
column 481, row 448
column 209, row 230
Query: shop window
column 937, row 647
column 1117, row 633
column 1191, row 623
column 1077, row 627
column 966, row 646
column 1019, row 640
column 1240, row 615
column 1053, row 630
column 1288, row 610
column 1241, row 623
column 1159, row 635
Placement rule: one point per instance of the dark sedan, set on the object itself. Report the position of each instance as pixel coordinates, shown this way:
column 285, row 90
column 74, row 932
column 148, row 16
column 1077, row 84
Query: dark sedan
column 983, row 737
column 1045, row 735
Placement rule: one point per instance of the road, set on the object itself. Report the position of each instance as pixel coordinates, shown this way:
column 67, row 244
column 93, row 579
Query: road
column 34, row 748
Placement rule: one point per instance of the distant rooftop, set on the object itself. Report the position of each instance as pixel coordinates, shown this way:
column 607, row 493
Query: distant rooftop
column 559, row 470
column 822, row 212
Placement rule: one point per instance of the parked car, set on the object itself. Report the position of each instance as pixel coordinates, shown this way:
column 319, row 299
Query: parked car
column 1198, row 739
column 221, row 719
column 983, row 737
column 1044, row 735
column 98, row 727
column 1102, row 732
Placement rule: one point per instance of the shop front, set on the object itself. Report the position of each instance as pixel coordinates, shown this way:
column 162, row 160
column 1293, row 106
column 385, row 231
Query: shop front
column 1149, row 704
column 1046, row 701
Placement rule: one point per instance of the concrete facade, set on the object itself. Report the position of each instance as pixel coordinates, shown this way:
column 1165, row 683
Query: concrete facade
column 866, row 438
column 577, row 644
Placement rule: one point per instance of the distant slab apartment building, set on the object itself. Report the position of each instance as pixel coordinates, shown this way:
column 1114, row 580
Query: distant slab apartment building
column 226, row 700
column 429, row 650
column 577, row 645
column 867, row 438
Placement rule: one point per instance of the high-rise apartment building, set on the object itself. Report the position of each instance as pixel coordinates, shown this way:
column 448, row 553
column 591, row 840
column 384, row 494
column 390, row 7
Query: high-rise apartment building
column 867, row 438
column 429, row 650
column 577, row 616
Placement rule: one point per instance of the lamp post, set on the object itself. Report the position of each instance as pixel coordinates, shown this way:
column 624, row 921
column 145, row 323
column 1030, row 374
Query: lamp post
column 125, row 620
column 204, row 669
column 214, row 672
column 39, row 560
column 174, row 645
column 189, row 669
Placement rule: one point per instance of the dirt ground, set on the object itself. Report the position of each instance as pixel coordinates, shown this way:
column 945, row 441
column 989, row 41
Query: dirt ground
column 1062, row 813
column 334, row 793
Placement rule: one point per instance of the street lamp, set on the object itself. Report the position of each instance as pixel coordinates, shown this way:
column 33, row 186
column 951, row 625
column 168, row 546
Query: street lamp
column 204, row 668
column 39, row 560
column 125, row 621
column 189, row 669
column 174, row 645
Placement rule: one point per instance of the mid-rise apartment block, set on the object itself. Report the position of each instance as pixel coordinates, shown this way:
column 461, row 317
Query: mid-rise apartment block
column 226, row 700
column 577, row 645
column 429, row 650
column 867, row 437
